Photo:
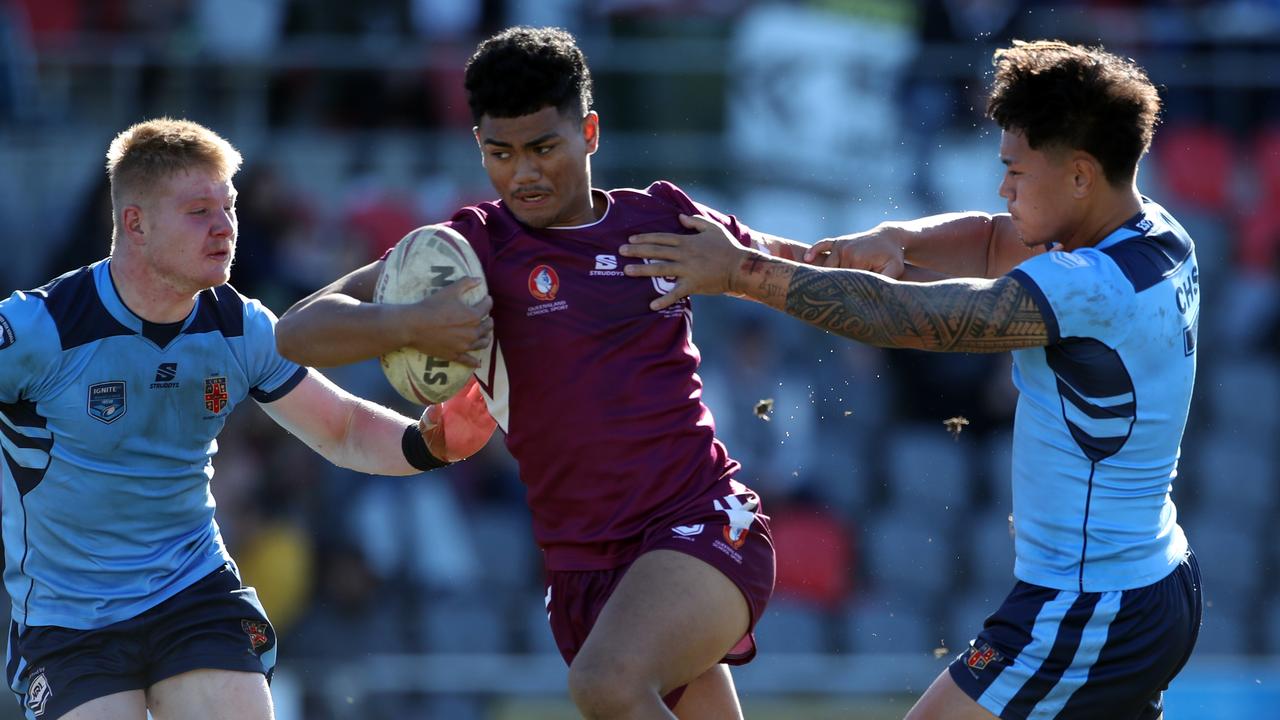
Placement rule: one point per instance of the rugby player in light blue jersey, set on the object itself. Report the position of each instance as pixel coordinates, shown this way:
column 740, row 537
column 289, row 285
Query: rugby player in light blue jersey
column 115, row 380
column 1095, row 290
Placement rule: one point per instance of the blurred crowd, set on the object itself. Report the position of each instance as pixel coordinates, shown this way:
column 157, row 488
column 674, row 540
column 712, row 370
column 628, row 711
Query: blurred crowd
column 891, row 522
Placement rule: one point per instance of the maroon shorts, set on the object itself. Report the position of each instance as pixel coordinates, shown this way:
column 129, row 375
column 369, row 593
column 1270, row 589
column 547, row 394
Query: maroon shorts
column 727, row 534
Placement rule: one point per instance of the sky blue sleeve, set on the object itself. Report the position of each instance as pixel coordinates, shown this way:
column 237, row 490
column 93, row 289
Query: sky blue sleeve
column 1080, row 294
column 28, row 346
column 271, row 376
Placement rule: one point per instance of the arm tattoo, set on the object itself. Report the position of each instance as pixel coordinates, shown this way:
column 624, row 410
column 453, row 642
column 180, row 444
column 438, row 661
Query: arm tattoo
column 951, row 316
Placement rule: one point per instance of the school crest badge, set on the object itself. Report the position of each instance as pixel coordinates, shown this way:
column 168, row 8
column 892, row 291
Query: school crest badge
column 215, row 394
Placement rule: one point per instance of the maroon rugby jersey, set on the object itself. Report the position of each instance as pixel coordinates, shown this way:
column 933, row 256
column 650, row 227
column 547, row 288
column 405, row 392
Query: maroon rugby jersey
column 598, row 395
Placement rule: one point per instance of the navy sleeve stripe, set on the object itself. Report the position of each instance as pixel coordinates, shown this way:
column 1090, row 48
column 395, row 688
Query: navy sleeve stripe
column 266, row 397
column 78, row 312
column 1147, row 260
column 221, row 310
column 1042, row 302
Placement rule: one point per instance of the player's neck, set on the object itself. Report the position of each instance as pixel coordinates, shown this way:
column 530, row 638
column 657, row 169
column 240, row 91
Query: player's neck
column 1113, row 209
column 146, row 293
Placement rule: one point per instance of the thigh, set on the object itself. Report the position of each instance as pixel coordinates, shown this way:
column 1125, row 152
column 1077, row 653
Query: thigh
column 217, row 624
column 671, row 618
column 92, row 673
column 129, row 705
column 944, row 700
column 710, row 697
column 211, row 695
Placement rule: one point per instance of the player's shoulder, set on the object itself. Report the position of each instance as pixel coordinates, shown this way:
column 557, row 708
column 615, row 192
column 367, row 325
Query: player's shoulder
column 661, row 195
column 66, row 305
column 224, row 310
column 485, row 225
column 1149, row 248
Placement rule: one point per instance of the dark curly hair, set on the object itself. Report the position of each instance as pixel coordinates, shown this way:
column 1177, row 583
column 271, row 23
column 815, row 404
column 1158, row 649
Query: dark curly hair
column 521, row 70
column 1067, row 96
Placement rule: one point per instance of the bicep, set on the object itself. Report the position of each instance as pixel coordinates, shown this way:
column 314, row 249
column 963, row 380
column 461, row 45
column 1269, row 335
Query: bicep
column 358, row 284
column 987, row 316
column 1005, row 250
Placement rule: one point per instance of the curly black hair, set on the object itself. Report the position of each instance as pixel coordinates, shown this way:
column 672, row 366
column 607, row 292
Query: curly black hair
column 1067, row 96
column 521, row 70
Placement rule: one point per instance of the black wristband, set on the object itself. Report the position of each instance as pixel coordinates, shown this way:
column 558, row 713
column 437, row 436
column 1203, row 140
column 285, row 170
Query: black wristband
column 416, row 452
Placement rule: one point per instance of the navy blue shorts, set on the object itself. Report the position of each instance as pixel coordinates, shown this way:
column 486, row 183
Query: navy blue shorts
column 215, row 624
column 1079, row 656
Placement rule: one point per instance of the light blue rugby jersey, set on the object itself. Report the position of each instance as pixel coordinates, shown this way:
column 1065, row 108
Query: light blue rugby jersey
column 108, row 439
column 1102, row 408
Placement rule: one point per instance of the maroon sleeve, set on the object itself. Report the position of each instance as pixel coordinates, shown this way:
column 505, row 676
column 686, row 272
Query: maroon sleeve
column 469, row 222
column 674, row 195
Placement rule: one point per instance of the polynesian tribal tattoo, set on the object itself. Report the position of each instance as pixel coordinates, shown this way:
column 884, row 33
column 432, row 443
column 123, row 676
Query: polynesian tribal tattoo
column 953, row 315
column 968, row 315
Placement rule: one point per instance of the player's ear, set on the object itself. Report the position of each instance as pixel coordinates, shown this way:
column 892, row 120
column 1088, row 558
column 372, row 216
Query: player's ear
column 1087, row 172
column 131, row 223
column 591, row 131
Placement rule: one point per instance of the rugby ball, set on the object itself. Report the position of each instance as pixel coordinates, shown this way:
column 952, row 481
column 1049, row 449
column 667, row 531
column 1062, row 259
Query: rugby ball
column 422, row 263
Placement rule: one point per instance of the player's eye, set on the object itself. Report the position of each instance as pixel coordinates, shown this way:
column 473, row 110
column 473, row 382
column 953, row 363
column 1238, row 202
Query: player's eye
column 544, row 149
column 500, row 154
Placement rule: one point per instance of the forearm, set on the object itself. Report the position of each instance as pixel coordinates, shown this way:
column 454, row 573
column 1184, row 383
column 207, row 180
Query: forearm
column 955, row 315
column 956, row 244
column 337, row 329
column 373, row 441
column 781, row 247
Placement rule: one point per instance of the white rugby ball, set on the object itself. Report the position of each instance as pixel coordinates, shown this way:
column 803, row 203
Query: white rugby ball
column 423, row 262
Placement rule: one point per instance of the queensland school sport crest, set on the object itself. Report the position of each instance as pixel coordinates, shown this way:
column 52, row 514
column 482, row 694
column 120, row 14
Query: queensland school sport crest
column 215, row 394
column 106, row 401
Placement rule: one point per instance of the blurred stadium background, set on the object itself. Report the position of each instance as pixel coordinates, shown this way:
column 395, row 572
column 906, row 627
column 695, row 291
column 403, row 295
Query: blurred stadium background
column 421, row 598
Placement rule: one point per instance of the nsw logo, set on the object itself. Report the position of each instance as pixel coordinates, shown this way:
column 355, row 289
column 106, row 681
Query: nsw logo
column 38, row 693
column 107, row 401
column 7, row 337
column 688, row 531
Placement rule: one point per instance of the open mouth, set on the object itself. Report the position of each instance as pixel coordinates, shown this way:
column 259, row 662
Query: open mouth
column 532, row 198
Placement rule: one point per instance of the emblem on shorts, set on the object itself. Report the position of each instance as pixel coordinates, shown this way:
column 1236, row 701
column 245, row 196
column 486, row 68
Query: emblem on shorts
column 544, row 283
column 215, row 394
column 7, row 336
column 38, row 694
column 688, row 530
column 257, row 632
column 741, row 510
column 980, row 656
column 106, row 401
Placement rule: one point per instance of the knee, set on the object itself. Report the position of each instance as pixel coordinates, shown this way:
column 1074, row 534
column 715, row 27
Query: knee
column 609, row 689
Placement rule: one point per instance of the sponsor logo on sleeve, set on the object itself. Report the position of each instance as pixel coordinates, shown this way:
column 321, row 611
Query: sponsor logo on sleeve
column 7, row 337
column 106, row 401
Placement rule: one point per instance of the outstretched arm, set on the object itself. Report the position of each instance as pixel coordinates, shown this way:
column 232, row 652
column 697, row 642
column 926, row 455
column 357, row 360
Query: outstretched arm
column 972, row 244
column 967, row 315
column 339, row 324
column 355, row 433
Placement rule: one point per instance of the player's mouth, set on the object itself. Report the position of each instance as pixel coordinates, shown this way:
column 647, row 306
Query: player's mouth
column 532, row 198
